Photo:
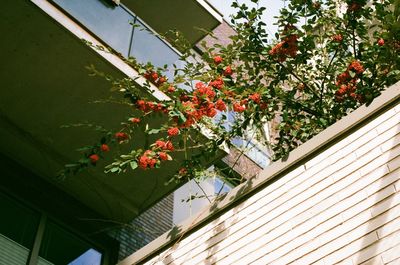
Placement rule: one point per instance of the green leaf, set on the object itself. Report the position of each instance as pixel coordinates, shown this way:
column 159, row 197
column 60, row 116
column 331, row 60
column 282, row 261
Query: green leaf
column 71, row 165
column 133, row 164
column 153, row 131
column 85, row 148
column 114, row 169
column 84, row 160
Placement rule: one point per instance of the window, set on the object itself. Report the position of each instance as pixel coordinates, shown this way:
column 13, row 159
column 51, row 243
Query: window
column 59, row 246
column 123, row 31
column 109, row 22
column 18, row 226
column 22, row 230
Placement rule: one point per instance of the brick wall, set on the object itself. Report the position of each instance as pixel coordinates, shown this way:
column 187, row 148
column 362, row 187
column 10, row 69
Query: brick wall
column 241, row 164
column 145, row 228
column 221, row 36
column 341, row 206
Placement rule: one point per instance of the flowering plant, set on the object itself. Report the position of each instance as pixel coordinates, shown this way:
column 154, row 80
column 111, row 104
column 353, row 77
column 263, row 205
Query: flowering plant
column 329, row 57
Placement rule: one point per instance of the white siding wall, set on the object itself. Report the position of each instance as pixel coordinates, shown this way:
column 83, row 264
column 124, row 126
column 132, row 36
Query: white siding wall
column 342, row 206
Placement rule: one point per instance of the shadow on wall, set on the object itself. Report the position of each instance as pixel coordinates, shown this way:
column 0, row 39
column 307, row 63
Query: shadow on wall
column 369, row 230
column 380, row 240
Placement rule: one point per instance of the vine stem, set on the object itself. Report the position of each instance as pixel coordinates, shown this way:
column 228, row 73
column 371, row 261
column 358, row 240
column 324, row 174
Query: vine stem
column 354, row 43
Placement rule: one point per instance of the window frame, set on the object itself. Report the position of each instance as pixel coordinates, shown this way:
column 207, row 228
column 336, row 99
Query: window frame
column 33, row 256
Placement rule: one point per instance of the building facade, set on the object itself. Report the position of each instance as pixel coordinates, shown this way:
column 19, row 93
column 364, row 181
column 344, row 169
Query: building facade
column 335, row 200
column 90, row 218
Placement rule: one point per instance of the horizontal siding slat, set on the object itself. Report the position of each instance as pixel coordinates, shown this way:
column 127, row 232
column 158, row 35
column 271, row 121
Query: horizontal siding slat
column 241, row 216
column 337, row 208
column 391, row 142
column 394, row 262
column 375, row 250
column 357, row 239
column 326, row 236
column 388, row 123
column 369, row 157
column 397, row 108
column 341, row 202
column 390, row 134
column 395, row 163
column 390, row 227
column 231, row 216
column 374, row 261
column 300, row 236
column 393, row 253
column 384, row 158
column 352, row 137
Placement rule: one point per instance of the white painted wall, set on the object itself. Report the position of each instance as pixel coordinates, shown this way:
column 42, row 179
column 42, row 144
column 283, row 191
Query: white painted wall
column 341, row 207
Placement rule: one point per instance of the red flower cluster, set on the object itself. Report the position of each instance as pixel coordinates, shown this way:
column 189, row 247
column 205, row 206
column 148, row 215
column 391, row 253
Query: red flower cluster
column 337, row 38
column 135, row 120
column 171, row 89
column 218, row 59
column 121, row 136
column 154, row 106
column 194, row 112
column 164, row 145
column 158, row 153
column 243, row 104
column 147, row 160
column 153, row 77
column 288, row 47
column 228, row 71
column 239, row 107
column 173, row 131
column 220, row 105
column 381, row 42
column 163, row 156
column 356, row 67
column 200, row 104
column 203, row 91
column 217, row 83
column 183, row 171
column 104, row 148
column 94, row 158
column 348, row 84
column 255, row 97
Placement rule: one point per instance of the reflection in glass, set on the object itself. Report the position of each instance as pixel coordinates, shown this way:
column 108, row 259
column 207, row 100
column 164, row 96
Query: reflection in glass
column 147, row 47
column 113, row 25
column 62, row 247
column 109, row 22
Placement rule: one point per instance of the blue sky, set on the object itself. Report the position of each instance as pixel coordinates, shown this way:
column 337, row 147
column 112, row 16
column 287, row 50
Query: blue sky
column 273, row 6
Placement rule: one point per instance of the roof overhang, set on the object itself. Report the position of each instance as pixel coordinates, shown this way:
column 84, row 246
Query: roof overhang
column 44, row 86
column 187, row 16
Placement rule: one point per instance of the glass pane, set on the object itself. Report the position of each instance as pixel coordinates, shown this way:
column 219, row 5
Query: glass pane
column 18, row 226
column 62, row 247
column 252, row 151
column 193, row 196
column 146, row 47
column 109, row 22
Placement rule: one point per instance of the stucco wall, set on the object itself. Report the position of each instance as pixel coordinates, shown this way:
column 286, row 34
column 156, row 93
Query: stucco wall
column 341, row 205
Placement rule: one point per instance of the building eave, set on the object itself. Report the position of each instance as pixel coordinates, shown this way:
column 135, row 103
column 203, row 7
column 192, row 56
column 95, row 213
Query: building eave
column 191, row 17
column 47, row 87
